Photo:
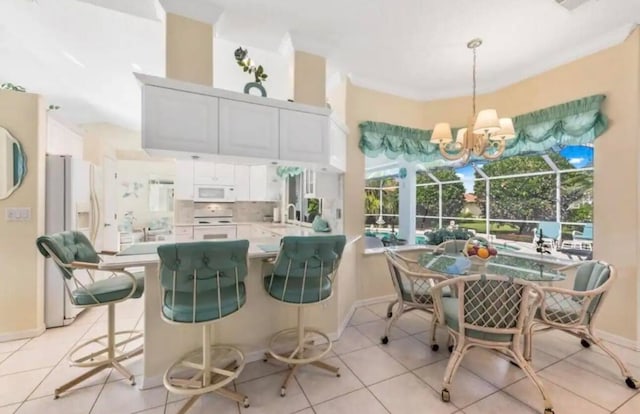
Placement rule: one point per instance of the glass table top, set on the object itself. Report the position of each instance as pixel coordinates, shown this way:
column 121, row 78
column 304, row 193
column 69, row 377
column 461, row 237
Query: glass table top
column 502, row 264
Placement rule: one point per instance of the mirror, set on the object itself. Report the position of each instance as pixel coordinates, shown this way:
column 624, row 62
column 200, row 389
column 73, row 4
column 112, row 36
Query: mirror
column 13, row 164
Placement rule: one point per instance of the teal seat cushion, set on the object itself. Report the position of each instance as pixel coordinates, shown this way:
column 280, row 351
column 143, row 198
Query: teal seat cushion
column 109, row 290
column 180, row 308
column 566, row 310
column 422, row 295
column 450, row 306
column 315, row 289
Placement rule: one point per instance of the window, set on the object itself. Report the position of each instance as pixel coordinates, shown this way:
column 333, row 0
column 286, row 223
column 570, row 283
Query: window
column 301, row 208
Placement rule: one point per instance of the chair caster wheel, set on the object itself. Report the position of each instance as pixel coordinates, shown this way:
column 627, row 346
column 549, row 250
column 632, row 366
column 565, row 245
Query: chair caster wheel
column 133, row 383
column 445, row 396
column 384, row 340
column 283, row 391
column 450, row 348
column 435, row 347
column 389, row 314
column 632, row 383
column 549, row 411
column 585, row 343
column 245, row 402
column 265, row 359
column 55, row 397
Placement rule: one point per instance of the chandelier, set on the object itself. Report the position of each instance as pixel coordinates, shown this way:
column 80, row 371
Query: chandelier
column 485, row 134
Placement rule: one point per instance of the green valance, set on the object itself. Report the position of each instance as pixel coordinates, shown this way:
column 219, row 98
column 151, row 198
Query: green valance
column 577, row 122
column 284, row 172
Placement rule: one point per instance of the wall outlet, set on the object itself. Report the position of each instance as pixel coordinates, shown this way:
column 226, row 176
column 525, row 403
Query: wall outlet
column 17, row 213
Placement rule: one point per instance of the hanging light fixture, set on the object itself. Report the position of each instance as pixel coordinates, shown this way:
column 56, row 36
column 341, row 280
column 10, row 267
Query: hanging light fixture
column 485, row 135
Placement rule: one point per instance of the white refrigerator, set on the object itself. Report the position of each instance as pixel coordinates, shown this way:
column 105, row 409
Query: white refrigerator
column 71, row 204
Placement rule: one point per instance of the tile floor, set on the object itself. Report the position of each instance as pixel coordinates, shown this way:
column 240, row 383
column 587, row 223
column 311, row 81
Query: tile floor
column 402, row 377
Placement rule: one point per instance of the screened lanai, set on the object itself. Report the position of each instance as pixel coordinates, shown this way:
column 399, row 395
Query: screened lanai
column 542, row 186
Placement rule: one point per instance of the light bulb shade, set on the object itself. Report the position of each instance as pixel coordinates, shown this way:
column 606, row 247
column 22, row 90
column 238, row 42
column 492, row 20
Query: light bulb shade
column 462, row 133
column 441, row 133
column 486, row 122
column 506, row 131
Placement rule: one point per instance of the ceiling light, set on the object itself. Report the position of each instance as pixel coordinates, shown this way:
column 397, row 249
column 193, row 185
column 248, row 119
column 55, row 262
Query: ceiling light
column 73, row 59
column 485, row 134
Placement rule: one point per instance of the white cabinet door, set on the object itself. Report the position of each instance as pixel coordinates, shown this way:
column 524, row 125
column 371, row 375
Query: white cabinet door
column 248, row 130
column 183, row 189
column 224, row 174
column 309, row 183
column 204, row 173
column 265, row 183
column 243, row 183
column 179, row 121
column 303, row 137
column 337, row 146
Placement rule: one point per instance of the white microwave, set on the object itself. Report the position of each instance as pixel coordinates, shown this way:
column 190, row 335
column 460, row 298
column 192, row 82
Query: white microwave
column 214, row 193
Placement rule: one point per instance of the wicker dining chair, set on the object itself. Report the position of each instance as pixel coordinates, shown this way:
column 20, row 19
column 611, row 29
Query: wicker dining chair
column 489, row 312
column 412, row 284
column 574, row 311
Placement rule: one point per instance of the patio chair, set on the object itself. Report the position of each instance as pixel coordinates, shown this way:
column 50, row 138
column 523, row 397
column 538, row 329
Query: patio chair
column 586, row 233
column 490, row 312
column 550, row 233
column 574, row 311
column 412, row 284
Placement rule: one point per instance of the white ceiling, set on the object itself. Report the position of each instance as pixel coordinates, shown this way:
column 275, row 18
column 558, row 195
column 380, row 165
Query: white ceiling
column 81, row 56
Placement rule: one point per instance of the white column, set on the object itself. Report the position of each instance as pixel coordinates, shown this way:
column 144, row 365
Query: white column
column 407, row 205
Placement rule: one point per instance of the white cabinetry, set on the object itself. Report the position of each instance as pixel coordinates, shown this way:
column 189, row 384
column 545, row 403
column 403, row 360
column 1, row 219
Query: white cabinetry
column 173, row 120
column 248, row 130
column 304, row 137
column 183, row 233
column 265, row 183
column 243, row 183
column 320, row 184
column 209, row 173
column 183, row 189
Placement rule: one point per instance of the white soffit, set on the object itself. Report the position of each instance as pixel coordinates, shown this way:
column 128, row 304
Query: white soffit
column 201, row 10
column 142, row 8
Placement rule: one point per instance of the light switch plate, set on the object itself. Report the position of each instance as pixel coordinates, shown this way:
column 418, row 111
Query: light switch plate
column 17, row 213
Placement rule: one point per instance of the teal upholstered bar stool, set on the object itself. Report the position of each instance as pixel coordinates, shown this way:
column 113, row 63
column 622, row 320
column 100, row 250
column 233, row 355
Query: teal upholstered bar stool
column 202, row 283
column 302, row 275
column 73, row 253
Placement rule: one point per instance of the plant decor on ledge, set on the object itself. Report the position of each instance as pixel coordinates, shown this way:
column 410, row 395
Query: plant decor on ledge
column 248, row 66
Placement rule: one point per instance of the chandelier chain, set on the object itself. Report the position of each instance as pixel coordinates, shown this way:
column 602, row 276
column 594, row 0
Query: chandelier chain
column 474, row 81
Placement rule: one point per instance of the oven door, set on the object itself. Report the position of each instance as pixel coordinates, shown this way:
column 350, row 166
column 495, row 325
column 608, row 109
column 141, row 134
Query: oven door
column 209, row 193
column 214, row 232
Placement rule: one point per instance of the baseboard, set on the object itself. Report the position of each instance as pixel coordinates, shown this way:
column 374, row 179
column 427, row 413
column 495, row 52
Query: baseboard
column 375, row 301
column 619, row 340
column 29, row 333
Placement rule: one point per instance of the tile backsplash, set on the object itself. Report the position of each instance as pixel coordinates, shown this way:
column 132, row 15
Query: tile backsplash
column 253, row 210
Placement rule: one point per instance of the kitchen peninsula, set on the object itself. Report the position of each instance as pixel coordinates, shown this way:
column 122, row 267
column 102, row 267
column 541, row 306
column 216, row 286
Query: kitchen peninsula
column 251, row 328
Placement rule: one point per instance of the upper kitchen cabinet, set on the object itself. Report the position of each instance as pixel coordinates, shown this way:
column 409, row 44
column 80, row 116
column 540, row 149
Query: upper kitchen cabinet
column 182, row 119
column 248, row 130
column 213, row 173
column 183, row 188
column 304, row 137
column 177, row 121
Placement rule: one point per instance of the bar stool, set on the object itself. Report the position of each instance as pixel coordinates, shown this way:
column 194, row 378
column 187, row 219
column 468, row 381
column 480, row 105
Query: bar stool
column 202, row 283
column 72, row 251
column 302, row 275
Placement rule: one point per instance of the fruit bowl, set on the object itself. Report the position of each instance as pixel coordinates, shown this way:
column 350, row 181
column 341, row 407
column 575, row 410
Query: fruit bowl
column 479, row 248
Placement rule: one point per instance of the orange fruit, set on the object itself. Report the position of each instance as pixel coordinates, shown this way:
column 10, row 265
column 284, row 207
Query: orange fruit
column 483, row 253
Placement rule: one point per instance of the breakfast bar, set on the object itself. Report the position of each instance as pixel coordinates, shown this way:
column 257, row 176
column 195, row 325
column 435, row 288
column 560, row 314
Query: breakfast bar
column 250, row 329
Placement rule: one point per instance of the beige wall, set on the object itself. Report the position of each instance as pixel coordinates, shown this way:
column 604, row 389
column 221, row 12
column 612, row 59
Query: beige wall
column 189, row 50
column 22, row 275
column 613, row 72
column 309, row 79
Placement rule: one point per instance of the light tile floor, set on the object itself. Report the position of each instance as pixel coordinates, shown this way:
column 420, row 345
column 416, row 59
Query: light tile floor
column 402, row 377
